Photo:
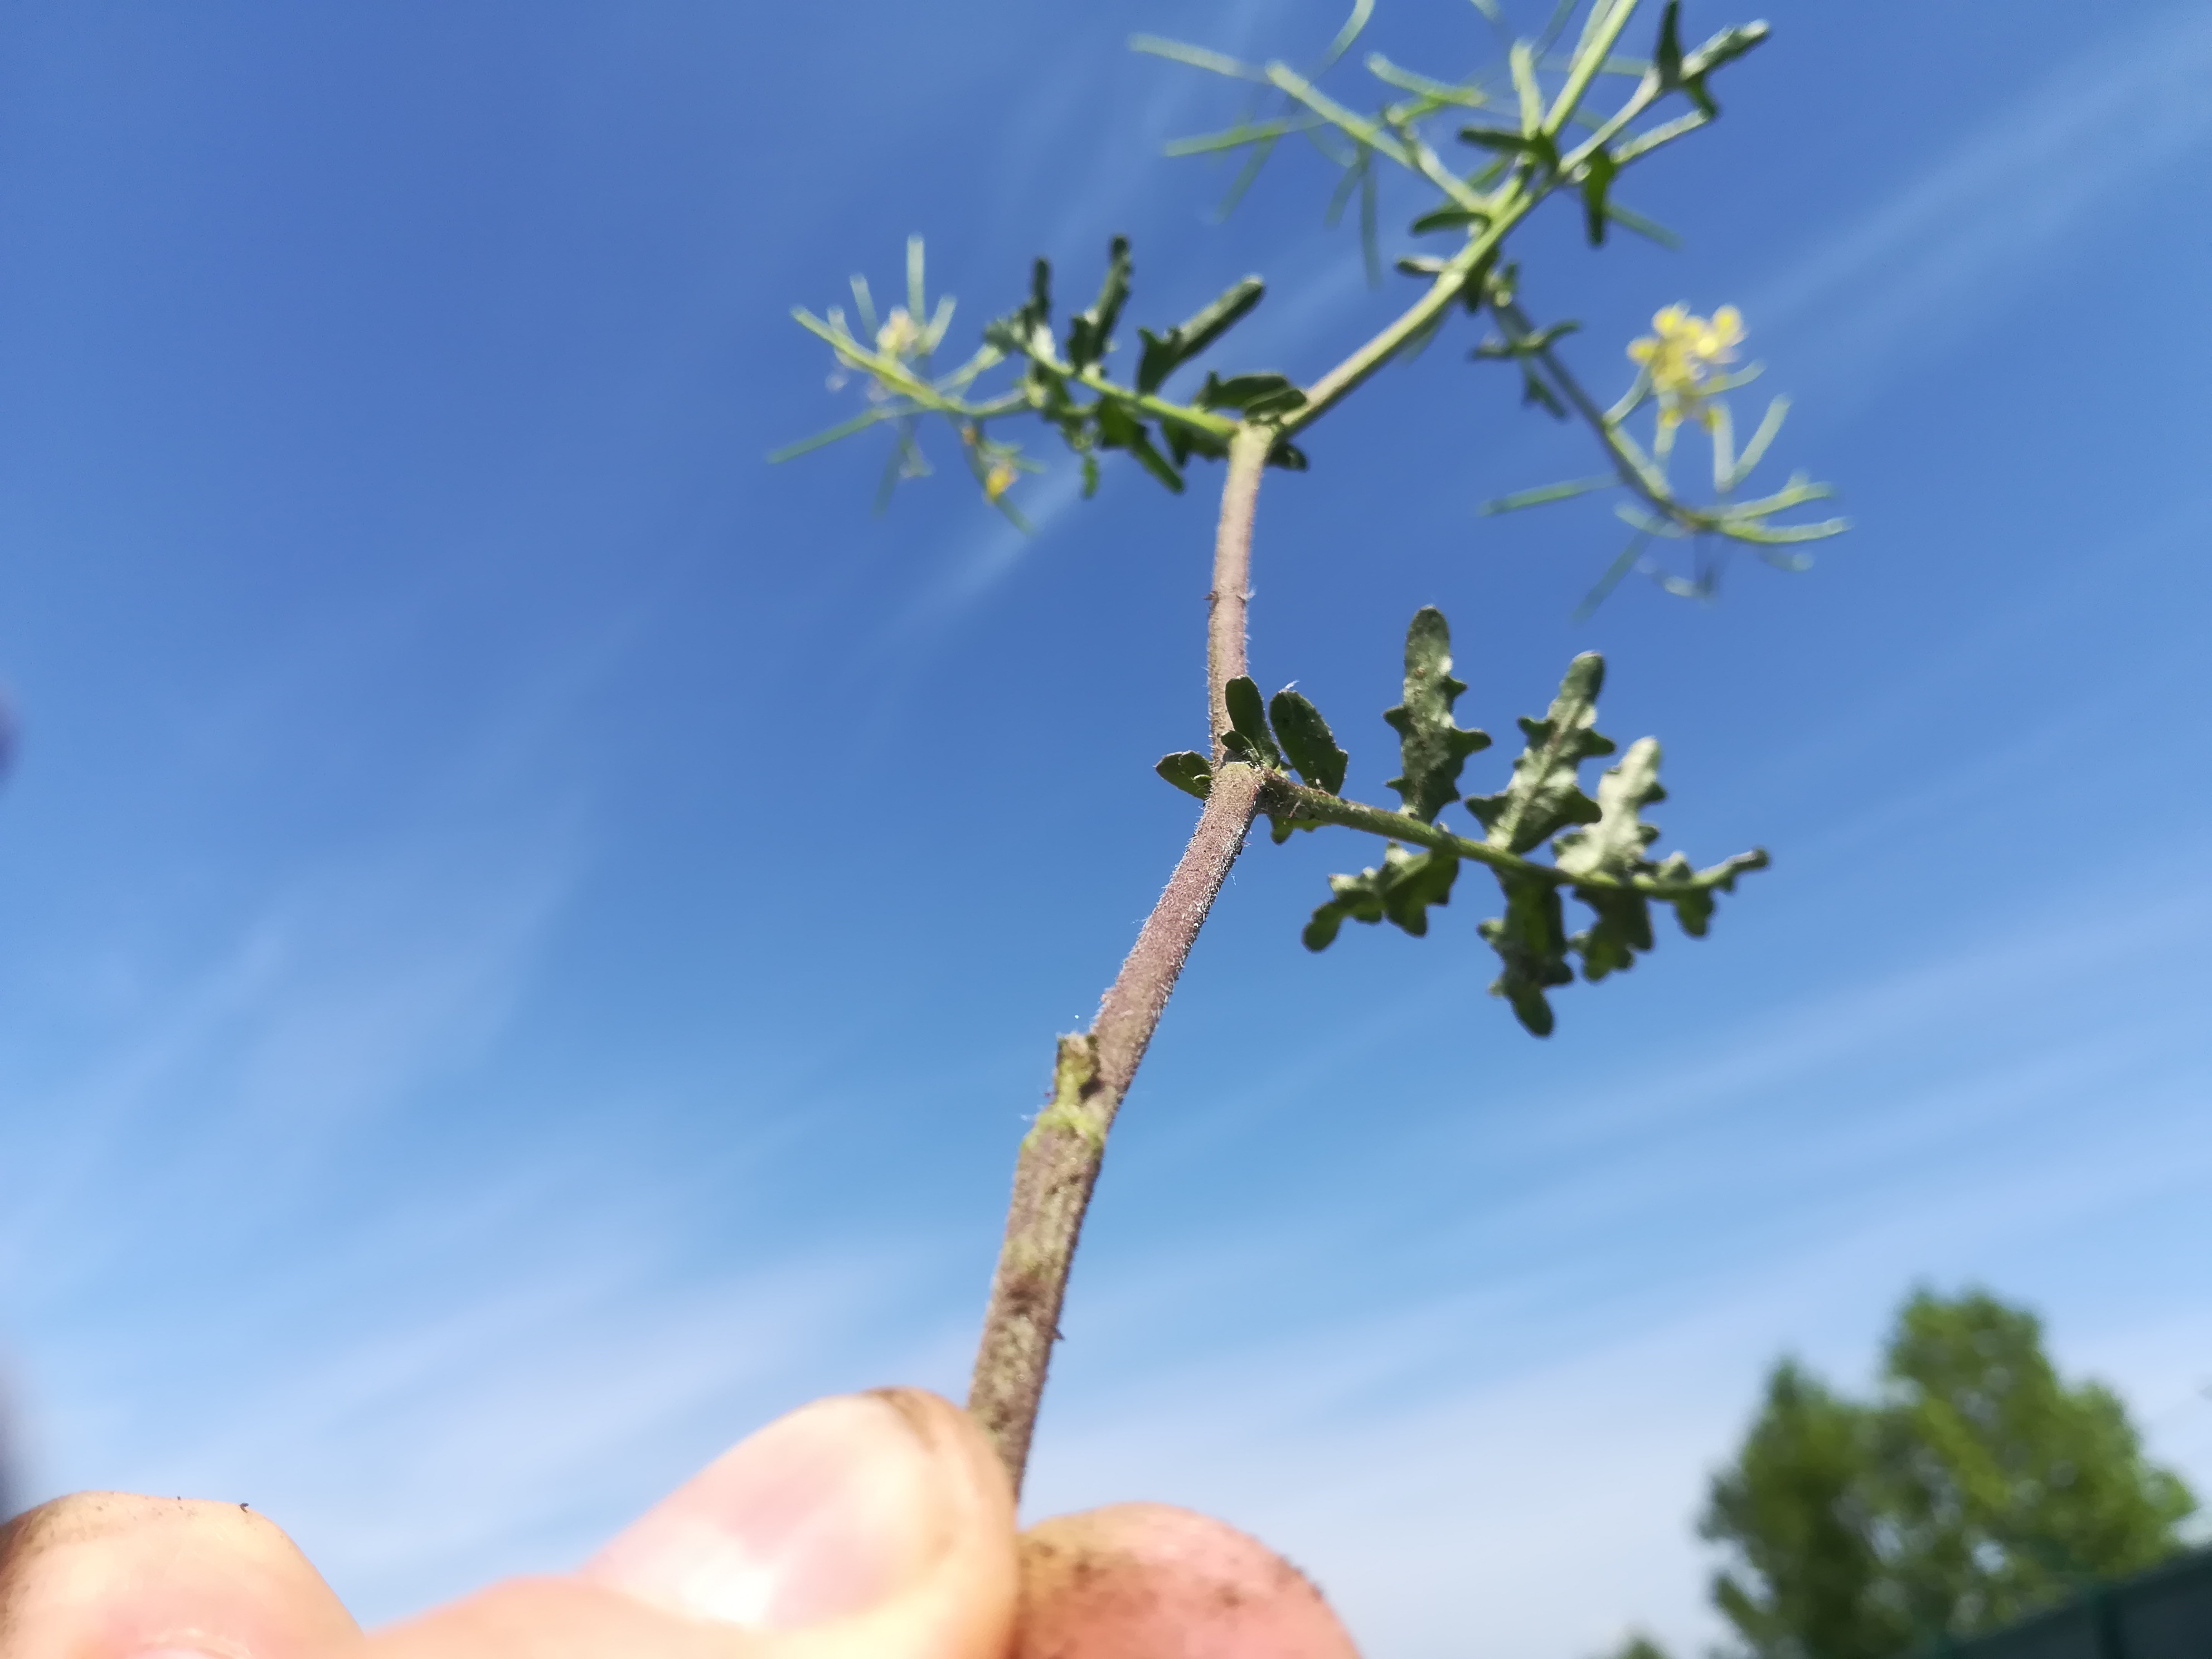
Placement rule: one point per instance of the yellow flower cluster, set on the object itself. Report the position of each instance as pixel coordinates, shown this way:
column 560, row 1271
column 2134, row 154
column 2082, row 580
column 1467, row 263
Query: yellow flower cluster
column 1682, row 350
column 1000, row 474
column 900, row 336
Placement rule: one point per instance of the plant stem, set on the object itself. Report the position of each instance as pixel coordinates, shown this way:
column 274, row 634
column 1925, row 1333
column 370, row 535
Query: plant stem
column 1348, row 376
column 1308, row 805
column 1230, row 597
column 1060, row 1155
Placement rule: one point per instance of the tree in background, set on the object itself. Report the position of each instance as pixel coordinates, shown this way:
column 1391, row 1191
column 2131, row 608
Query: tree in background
column 1975, row 1487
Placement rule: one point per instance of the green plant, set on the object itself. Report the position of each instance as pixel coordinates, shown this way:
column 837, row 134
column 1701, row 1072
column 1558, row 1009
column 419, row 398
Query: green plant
column 1975, row 1487
column 1542, row 130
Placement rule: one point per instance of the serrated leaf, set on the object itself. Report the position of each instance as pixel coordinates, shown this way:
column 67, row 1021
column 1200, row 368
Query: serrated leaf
column 1185, row 441
column 1090, row 331
column 1189, row 771
column 1531, row 942
column 1615, row 846
column 1545, row 795
column 1400, row 891
column 1034, row 317
column 1119, row 430
column 1694, row 911
column 1256, row 397
column 1163, row 353
column 1430, row 748
column 1307, row 741
column 1247, row 717
column 1622, row 928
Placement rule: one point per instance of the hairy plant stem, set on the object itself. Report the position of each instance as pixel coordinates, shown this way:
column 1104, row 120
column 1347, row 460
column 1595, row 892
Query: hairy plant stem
column 1060, row 1155
column 1307, row 805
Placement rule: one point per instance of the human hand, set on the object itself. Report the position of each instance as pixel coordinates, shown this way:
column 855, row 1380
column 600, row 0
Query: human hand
column 872, row 1526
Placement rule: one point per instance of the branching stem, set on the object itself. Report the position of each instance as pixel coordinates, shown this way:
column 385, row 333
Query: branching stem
column 1283, row 794
column 1060, row 1155
column 1230, row 597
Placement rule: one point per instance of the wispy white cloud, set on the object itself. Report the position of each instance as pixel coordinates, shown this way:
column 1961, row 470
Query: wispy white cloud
column 1514, row 1461
column 351, row 985
column 509, row 1431
column 519, row 1372
column 1542, row 1509
column 1949, row 247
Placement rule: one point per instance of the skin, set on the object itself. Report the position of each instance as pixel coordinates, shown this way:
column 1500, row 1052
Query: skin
column 867, row 1527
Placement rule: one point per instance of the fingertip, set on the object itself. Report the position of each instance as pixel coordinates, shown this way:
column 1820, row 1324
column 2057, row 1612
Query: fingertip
column 876, row 1526
column 113, row 1575
column 1152, row 1579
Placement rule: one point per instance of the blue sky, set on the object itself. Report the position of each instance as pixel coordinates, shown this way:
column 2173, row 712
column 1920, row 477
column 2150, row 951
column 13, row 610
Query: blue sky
column 530, row 935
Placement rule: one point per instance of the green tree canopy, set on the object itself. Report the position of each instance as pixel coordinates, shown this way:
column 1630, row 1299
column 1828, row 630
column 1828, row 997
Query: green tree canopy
column 1975, row 1487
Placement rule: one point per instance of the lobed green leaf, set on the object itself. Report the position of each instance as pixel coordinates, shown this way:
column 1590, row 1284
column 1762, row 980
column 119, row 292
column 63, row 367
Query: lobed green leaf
column 1531, row 942
column 1615, row 846
column 1090, row 332
column 1254, row 397
column 1400, row 890
column 1598, row 173
column 1163, row 354
column 1545, row 795
column 1430, row 748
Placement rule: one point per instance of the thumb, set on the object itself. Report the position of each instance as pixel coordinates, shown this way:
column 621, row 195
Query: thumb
column 874, row 1526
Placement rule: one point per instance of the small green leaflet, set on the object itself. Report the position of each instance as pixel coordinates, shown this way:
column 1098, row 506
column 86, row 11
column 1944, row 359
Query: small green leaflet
column 1307, row 741
column 1254, row 397
column 1164, row 353
column 1119, row 430
column 1400, row 891
column 1531, row 942
column 1249, row 739
column 1300, row 738
column 1615, row 846
column 1545, row 795
column 1597, row 178
column 1189, row 771
column 1090, row 332
column 1431, row 749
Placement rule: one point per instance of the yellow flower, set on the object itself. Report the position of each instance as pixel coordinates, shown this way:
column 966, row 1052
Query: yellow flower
column 899, row 336
column 999, row 480
column 1680, row 352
